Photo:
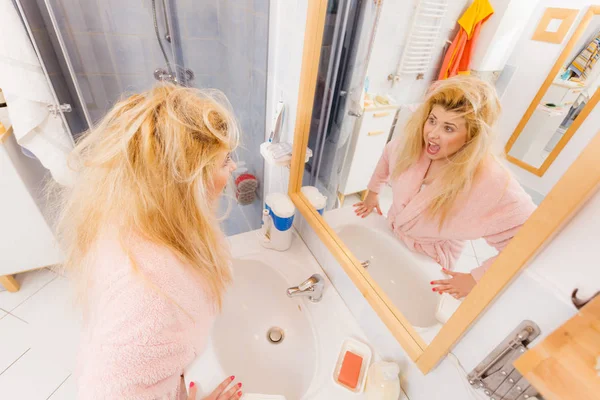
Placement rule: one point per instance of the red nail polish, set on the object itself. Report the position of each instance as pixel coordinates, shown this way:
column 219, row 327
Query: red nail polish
column 431, row 283
column 440, row 292
column 240, row 394
column 192, row 384
column 239, row 385
column 232, row 377
column 433, row 289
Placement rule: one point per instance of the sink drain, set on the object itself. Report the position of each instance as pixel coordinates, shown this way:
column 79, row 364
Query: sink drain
column 275, row 335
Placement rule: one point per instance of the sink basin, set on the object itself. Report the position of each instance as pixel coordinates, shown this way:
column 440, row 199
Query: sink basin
column 255, row 306
column 301, row 365
column 402, row 274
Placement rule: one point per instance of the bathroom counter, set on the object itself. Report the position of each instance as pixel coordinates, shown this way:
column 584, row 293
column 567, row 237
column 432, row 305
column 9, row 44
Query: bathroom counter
column 331, row 322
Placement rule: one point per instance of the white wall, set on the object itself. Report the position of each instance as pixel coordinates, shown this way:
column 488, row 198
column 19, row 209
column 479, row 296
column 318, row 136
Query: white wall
column 389, row 43
column 541, row 294
column 533, row 61
column 287, row 20
column 500, row 33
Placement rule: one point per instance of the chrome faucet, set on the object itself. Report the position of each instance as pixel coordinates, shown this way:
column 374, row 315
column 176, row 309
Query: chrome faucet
column 312, row 288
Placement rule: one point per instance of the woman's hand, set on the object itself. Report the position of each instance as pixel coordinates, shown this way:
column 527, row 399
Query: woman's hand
column 221, row 392
column 364, row 208
column 458, row 286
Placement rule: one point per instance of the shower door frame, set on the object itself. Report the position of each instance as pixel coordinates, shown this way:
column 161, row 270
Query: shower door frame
column 175, row 48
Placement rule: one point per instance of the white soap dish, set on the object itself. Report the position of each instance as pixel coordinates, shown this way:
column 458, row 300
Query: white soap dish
column 360, row 349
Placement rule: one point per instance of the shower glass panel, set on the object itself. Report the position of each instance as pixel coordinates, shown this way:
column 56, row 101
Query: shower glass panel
column 111, row 45
column 224, row 44
column 115, row 48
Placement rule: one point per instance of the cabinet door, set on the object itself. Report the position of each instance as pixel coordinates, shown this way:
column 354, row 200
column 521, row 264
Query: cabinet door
column 27, row 241
column 563, row 365
column 372, row 137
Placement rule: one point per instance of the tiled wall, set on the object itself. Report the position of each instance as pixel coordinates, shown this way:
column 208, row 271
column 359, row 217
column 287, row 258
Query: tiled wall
column 242, row 48
column 113, row 48
column 111, row 45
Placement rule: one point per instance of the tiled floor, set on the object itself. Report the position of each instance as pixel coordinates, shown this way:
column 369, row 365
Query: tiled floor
column 38, row 338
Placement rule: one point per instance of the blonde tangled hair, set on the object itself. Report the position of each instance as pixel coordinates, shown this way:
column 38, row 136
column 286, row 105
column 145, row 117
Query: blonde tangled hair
column 148, row 167
column 477, row 102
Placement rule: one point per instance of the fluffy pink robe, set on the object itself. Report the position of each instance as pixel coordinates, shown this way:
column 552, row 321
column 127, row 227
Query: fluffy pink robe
column 494, row 208
column 141, row 329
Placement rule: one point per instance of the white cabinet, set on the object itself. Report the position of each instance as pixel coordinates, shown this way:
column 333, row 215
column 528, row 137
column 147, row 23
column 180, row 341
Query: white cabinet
column 562, row 93
column 27, row 242
column 371, row 134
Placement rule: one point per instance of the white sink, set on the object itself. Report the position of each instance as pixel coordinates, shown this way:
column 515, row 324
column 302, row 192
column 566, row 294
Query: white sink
column 301, row 366
column 401, row 273
column 256, row 303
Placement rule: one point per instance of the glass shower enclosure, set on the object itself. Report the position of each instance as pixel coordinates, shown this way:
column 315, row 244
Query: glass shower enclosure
column 97, row 51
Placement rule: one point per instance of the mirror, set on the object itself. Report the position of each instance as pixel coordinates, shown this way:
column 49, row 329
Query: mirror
column 563, row 102
column 356, row 120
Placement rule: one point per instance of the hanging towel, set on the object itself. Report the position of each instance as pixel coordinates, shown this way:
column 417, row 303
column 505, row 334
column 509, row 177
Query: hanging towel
column 28, row 96
column 585, row 60
column 458, row 55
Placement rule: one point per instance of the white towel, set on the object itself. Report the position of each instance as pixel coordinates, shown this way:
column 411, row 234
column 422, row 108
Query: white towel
column 28, row 95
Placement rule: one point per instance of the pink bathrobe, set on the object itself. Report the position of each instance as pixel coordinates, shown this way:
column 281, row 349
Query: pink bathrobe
column 494, row 209
column 140, row 332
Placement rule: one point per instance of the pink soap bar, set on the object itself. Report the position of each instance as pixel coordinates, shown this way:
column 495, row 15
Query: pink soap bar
column 350, row 370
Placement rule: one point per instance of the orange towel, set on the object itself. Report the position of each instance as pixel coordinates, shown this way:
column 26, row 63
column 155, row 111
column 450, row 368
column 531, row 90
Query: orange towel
column 458, row 57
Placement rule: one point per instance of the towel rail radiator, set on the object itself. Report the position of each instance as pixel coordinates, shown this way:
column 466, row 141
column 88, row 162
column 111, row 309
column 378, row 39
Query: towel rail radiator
column 422, row 39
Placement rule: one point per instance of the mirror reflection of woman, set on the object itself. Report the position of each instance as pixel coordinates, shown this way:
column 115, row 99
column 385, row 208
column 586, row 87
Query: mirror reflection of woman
column 448, row 186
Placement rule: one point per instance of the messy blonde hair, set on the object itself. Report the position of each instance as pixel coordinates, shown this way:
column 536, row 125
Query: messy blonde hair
column 148, row 167
column 477, row 102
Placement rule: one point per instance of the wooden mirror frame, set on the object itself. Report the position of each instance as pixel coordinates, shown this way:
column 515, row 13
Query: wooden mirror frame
column 568, row 195
column 591, row 12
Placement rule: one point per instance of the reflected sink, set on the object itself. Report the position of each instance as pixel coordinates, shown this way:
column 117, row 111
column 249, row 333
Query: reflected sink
column 255, row 304
column 402, row 274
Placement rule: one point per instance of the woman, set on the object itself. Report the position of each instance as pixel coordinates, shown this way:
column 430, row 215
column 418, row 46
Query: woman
column 447, row 185
column 143, row 243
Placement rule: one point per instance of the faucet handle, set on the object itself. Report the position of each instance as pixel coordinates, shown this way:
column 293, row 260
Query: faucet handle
column 311, row 282
column 312, row 288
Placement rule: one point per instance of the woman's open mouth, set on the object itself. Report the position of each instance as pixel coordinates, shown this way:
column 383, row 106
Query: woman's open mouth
column 432, row 148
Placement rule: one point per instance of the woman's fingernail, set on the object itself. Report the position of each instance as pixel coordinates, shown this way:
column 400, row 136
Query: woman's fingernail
column 440, row 292
column 192, row 384
column 431, row 283
column 232, row 377
column 239, row 385
column 433, row 289
column 240, row 394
